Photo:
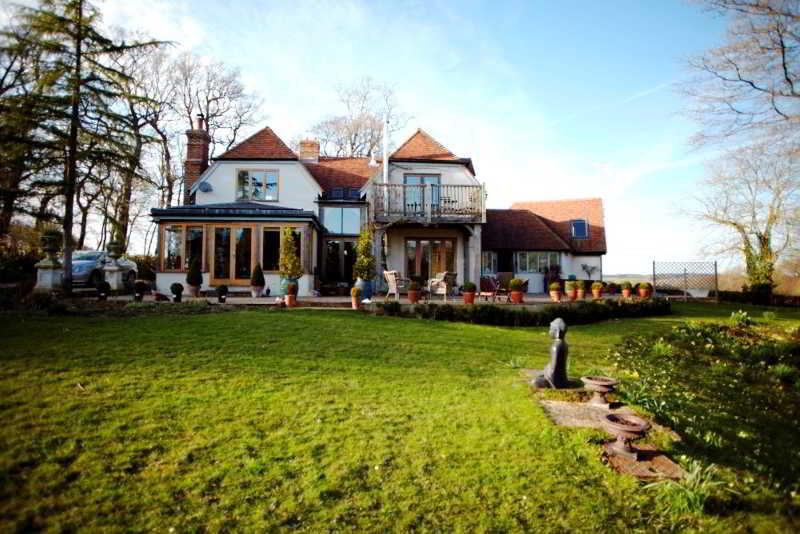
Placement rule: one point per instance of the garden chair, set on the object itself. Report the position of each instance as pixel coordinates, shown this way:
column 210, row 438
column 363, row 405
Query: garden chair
column 395, row 283
column 490, row 288
column 443, row 284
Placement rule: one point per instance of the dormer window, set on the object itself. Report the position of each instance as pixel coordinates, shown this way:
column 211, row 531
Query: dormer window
column 580, row 230
column 337, row 193
column 354, row 193
column 257, row 185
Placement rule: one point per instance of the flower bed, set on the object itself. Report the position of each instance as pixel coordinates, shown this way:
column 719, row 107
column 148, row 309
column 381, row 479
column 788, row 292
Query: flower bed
column 488, row 314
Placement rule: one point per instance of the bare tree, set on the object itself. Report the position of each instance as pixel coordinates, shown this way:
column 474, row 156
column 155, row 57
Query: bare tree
column 358, row 131
column 753, row 198
column 216, row 91
column 749, row 88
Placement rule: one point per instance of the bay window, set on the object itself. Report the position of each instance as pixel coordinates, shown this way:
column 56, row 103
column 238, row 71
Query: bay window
column 535, row 262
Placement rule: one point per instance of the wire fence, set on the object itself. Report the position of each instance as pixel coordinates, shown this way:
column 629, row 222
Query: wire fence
column 689, row 279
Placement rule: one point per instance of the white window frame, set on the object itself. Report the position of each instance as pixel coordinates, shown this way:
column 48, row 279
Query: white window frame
column 249, row 195
column 526, row 258
column 492, row 255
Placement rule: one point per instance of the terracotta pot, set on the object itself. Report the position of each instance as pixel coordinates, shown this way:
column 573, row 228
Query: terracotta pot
column 256, row 291
column 626, row 293
column 581, row 294
column 572, row 294
column 222, row 298
column 597, row 293
column 469, row 297
column 644, row 292
column 291, row 301
column 413, row 296
column 555, row 296
column 516, row 297
column 354, row 302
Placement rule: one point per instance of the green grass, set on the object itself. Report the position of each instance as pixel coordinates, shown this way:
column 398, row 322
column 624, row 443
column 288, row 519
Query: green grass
column 317, row 420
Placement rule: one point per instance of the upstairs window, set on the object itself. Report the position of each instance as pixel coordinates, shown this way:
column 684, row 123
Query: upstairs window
column 257, row 185
column 337, row 193
column 346, row 221
column 354, row 193
column 580, row 230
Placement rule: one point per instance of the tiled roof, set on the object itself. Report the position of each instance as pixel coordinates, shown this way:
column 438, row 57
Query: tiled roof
column 230, row 210
column 424, row 147
column 264, row 144
column 519, row 230
column 558, row 214
column 341, row 172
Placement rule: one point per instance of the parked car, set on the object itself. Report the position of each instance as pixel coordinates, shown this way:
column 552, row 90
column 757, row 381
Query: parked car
column 87, row 267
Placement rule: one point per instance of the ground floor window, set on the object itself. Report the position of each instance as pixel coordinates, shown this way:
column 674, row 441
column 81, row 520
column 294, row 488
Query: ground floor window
column 427, row 257
column 535, row 262
column 271, row 249
column 182, row 245
column 340, row 256
column 488, row 262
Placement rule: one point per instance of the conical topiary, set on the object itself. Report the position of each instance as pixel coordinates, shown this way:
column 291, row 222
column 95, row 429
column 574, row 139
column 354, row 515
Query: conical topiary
column 364, row 266
column 289, row 265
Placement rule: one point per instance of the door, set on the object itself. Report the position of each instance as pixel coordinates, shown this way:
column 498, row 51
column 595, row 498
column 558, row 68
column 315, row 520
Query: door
column 340, row 256
column 421, row 190
column 233, row 253
column 425, row 258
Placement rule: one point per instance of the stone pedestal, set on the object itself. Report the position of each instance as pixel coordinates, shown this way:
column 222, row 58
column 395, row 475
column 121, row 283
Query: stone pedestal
column 49, row 275
column 113, row 275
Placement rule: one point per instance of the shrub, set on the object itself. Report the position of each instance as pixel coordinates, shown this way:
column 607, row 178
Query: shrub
column 176, row 289
column 257, row 279
column 555, row 286
column 221, row 290
column 103, row 287
column 18, row 267
column 597, row 285
column 626, row 285
column 516, row 284
column 413, row 286
column 611, row 288
column 783, row 373
column 364, row 266
column 141, row 287
column 194, row 277
column 740, row 319
column 391, row 308
column 769, row 316
column 355, row 292
column 570, row 285
column 291, row 288
column 289, row 263
column 578, row 284
column 644, row 285
column 468, row 287
column 146, row 266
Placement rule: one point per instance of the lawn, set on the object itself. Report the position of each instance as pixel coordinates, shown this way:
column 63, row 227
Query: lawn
column 314, row 420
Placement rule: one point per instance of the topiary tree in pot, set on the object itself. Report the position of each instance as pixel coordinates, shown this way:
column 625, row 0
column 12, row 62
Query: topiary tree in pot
column 555, row 291
column 364, row 267
column 177, row 291
column 597, row 290
column 468, row 291
column 194, row 277
column 257, row 282
column 289, row 265
column 516, row 285
column 626, row 289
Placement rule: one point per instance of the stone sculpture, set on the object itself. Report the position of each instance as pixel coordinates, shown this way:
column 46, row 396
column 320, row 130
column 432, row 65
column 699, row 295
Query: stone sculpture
column 555, row 374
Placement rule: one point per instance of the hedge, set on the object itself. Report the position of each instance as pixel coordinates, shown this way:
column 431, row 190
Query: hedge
column 741, row 297
column 489, row 314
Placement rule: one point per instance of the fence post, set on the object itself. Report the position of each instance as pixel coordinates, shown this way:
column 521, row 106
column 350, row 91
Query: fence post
column 716, row 283
column 655, row 291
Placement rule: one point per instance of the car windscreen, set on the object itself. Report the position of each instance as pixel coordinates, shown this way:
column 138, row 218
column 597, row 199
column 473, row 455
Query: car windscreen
column 84, row 255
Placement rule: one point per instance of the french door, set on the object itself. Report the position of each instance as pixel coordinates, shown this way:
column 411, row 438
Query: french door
column 233, row 254
column 340, row 256
column 425, row 258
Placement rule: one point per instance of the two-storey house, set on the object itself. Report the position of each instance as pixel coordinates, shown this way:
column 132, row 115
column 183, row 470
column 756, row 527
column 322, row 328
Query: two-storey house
column 425, row 206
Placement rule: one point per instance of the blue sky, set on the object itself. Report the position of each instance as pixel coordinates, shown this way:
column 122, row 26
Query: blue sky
column 550, row 99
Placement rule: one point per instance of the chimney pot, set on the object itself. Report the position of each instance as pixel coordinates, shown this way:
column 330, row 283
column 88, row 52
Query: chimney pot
column 309, row 150
column 197, row 144
column 200, row 121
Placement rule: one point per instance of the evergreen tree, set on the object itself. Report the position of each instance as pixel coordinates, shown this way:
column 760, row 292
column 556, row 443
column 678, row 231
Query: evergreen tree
column 77, row 96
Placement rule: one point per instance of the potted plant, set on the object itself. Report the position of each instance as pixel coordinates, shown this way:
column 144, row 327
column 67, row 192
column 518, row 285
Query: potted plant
column 140, row 287
column 177, row 291
column 515, row 285
column 611, row 288
column 645, row 289
column 194, row 277
column 103, row 290
column 555, row 291
column 257, row 282
column 289, row 265
column 413, row 292
column 597, row 290
column 355, row 297
column 468, row 290
column 581, row 291
column 572, row 289
column 626, row 289
column 291, row 295
column 364, row 268
column 222, row 293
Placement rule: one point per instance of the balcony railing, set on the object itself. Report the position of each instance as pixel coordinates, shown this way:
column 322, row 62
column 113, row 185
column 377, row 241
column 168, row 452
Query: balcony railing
column 427, row 203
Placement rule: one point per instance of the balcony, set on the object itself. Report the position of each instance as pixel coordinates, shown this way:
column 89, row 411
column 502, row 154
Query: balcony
column 391, row 203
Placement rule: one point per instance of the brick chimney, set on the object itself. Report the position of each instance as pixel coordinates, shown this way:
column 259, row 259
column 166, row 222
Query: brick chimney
column 197, row 141
column 309, row 150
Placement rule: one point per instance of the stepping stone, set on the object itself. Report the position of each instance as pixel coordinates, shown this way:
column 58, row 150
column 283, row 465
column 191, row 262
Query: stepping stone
column 652, row 464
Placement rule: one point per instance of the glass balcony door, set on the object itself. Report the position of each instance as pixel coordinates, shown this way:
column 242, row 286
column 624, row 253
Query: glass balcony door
column 420, row 190
column 425, row 258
